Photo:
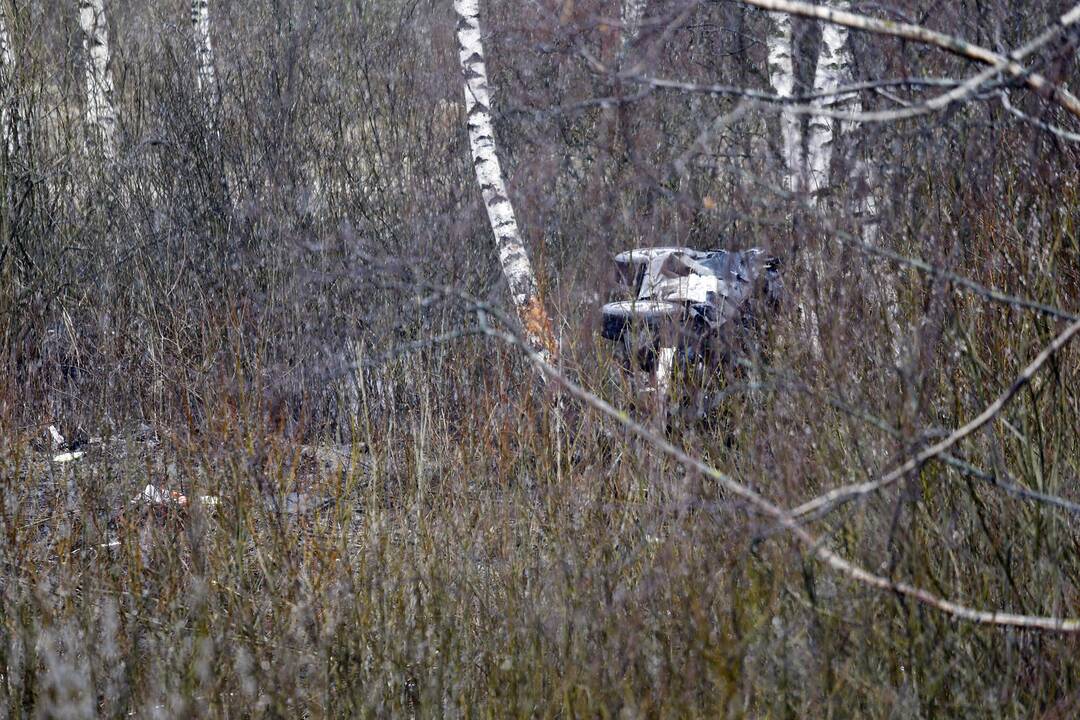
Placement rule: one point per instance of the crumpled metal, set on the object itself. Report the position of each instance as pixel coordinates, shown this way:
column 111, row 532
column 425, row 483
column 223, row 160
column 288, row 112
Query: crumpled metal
column 716, row 284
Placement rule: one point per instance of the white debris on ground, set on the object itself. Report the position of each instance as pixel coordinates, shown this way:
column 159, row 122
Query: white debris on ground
column 60, row 443
column 153, row 495
column 315, row 461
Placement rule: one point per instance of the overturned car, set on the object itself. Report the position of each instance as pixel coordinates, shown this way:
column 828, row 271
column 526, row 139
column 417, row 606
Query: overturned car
column 691, row 311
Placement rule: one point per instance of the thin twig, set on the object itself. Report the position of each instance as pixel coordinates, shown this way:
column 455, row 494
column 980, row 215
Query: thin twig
column 830, row 500
column 1042, row 125
column 915, row 263
column 951, row 43
column 1008, row 486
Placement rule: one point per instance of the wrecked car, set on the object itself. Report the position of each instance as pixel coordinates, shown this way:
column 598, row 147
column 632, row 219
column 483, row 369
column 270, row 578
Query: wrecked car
column 690, row 311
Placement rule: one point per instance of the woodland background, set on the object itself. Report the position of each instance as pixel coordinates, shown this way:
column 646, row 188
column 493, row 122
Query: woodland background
column 273, row 294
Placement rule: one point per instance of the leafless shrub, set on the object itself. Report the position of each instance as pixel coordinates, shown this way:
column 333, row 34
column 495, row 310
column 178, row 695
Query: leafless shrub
column 300, row 268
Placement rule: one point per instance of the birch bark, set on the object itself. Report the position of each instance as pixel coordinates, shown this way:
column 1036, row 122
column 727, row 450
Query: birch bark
column 206, row 75
column 862, row 174
column 780, row 44
column 8, row 118
column 511, row 250
column 7, row 95
column 100, row 112
column 833, row 64
column 632, row 13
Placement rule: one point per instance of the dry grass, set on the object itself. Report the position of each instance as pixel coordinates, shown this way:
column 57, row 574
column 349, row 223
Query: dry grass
column 286, row 309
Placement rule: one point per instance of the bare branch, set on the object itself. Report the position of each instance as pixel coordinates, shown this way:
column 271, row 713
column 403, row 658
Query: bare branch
column 979, row 289
column 830, row 500
column 1009, row 485
column 784, row 518
column 923, row 266
column 836, row 95
column 1053, row 129
column 950, row 43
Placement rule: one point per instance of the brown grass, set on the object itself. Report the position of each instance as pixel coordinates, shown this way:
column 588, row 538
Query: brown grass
column 283, row 314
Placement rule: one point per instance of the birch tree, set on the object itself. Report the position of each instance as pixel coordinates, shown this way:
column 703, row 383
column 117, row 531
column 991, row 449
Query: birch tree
column 205, row 74
column 7, row 76
column 780, row 44
column 806, row 171
column 508, row 243
column 632, row 12
column 835, row 67
column 7, row 127
column 833, row 64
column 100, row 111
column 862, row 177
column 860, row 173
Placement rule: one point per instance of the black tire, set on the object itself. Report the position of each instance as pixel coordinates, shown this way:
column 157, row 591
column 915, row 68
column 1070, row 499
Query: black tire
column 620, row 316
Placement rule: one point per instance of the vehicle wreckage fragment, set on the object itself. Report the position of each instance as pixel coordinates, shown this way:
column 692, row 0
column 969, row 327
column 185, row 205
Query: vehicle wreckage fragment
column 689, row 308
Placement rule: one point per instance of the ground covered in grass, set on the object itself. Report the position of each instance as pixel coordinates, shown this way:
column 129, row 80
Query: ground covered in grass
column 279, row 307
column 504, row 564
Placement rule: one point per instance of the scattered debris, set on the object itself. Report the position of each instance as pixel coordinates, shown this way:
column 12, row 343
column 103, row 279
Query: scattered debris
column 71, row 449
column 100, row 546
column 153, row 495
column 156, row 496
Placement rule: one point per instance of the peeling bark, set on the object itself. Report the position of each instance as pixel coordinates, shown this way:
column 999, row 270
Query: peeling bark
column 508, row 243
column 206, row 75
column 100, row 111
column 780, row 43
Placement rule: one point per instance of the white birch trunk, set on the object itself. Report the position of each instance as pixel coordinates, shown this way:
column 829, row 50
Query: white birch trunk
column 512, row 256
column 833, row 65
column 100, row 112
column 780, row 43
column 7, row 94
column 205, row 76
column 864, row 179
column 632, row 13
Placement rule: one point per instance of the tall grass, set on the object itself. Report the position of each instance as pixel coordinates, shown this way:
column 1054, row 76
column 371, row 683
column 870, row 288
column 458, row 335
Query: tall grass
column 282, row 315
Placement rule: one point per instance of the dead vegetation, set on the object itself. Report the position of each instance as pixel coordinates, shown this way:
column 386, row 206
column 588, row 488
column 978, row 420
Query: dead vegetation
column 300, row 315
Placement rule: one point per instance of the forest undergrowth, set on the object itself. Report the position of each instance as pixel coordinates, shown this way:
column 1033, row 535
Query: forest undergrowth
column 286, row 308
